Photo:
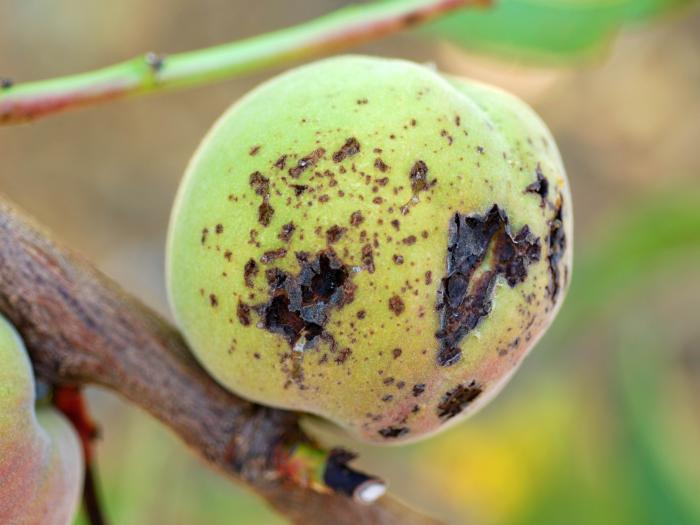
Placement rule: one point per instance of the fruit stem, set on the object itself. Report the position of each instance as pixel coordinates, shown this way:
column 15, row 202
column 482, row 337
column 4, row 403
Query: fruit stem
column 342, row 29
column 328, row 471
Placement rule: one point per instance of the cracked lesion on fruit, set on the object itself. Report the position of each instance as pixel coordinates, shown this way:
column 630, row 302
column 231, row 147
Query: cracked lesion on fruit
column 457, row 399
column 556, row 242
column 480, row 249
column 300, row 305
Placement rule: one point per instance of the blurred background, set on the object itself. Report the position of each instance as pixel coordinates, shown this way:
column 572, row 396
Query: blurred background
column 602, row 423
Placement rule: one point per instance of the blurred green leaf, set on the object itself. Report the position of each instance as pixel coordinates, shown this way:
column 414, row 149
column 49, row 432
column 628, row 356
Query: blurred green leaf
column 643, row 364
column 550, row 31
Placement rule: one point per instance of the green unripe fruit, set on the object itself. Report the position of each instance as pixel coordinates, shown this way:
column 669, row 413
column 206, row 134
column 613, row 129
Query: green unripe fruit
column 41, row 461
column 370, row 241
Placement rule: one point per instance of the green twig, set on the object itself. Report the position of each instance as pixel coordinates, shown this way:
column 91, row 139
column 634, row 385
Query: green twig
column 340, row 30
column 328, row 471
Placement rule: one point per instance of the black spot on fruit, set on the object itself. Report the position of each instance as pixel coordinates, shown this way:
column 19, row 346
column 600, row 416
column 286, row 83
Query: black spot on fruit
column 556, row 242
column 464, row 296
column 456, row 400
column 393, row 432
column 540, row 186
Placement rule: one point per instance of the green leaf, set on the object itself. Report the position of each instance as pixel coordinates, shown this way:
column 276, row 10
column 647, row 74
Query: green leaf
column 549, row 31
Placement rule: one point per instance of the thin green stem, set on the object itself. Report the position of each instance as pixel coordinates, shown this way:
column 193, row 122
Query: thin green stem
column 340, row 30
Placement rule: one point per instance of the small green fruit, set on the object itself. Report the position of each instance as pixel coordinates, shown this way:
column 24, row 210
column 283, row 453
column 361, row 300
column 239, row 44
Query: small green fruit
column 41, row 463
column 370, row 241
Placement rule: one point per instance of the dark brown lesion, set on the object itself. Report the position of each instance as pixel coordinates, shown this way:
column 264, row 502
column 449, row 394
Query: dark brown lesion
column 261, row 185
column 350, row 148
column 540, row 186
column 306, row 162
column 419, row 177
column 457, row 399
column 250, row 271
column 480, row 249
column 300, row 305
column 556, row 242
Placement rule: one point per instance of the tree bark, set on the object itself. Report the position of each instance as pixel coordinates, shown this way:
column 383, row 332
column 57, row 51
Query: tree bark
column 80, row 328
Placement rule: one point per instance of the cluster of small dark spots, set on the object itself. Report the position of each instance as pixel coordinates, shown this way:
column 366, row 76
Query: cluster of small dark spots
column 254, row 150
column 410, row 240
column 350, row 148
column 387, row 398
column 418, row 389
column 343, row 356
column 388, row 381
column 455, row 400
column 243, row 313
column 361, row 314
column 396, row 352
column 362, row 101
column 368, row 258
column 324, row 198
column 398, row 259
column 446, row 135
column 213, row 300
column 250, row 270
column 334, row 233
column 383, row 181
column 480, row 150
column 356, row 218
column 219, row 229
column 396, row 305
column 272, row 255
column 306, row 162
column 393, row 432
column 286, row 232
column 261, row 185
column 458, row 120
column 380, row 165
column 205, row 234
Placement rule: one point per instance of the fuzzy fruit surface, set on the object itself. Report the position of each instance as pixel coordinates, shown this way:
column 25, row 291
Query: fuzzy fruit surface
column 41, row 462
column 370, row 241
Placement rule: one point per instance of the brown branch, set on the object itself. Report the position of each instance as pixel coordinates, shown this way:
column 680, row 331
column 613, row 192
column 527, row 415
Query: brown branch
column 82, row 329
column 343, row 29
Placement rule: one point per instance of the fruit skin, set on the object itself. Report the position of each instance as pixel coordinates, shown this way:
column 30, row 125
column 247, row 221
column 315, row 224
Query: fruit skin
column 41, row 461
column 355, row 172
